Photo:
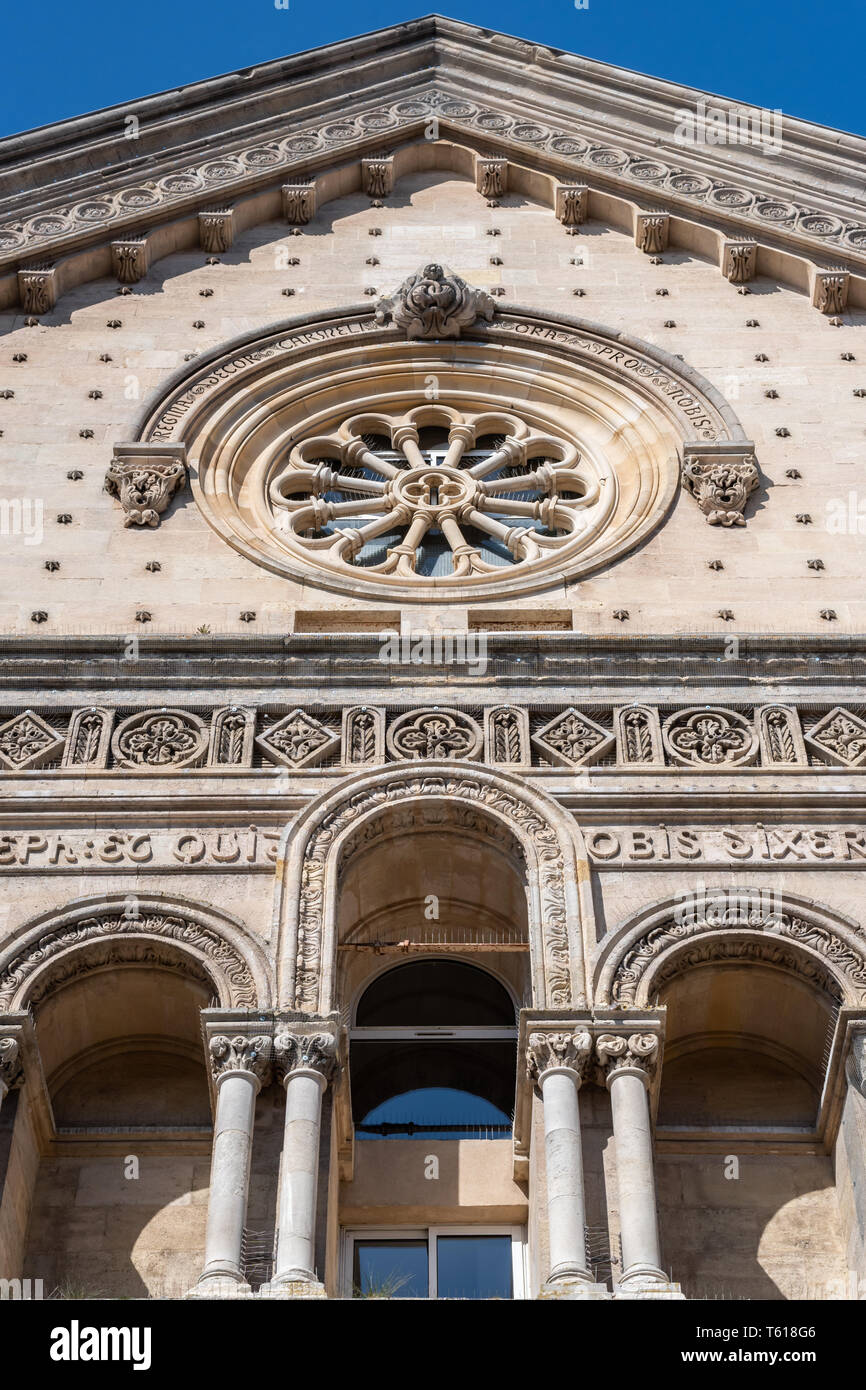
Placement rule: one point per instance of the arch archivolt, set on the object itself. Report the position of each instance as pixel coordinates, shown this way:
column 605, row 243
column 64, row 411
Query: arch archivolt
column 321, row 843
column 791, row 934
column 103, row 933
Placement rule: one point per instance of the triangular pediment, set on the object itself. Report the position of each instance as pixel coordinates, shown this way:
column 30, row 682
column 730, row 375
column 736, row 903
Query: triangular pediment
column 68, row 188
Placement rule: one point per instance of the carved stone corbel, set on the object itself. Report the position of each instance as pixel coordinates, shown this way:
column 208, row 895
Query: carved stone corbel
column 491, row 176
column 37, row 288
column 739, row 261
column 299, row 203
column 830, row 290
column 11, row 1062
column 144, row 478
column 651, row 232
column 377, row 176
column 571, row 204
column 216, row 230
column 130, row 259
column 721, row 477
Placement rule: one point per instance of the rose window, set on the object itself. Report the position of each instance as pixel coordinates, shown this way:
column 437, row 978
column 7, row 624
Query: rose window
column 435, row 495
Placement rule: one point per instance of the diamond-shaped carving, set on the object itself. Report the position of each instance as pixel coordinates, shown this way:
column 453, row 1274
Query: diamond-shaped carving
column 573, row 739
column 299, row 740
column 27, row 741
column 840, row 737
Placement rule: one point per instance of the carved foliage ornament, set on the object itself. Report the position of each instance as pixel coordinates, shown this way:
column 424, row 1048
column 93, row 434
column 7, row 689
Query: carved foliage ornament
column 710, row 738
column 434, row 304
column 618, row 1052
column 721, row 485
column 160, row 739
column 315, row 1052
column 548, row 1051
column 11, row 1070
column 242, row 1052
column 144, row 482
column 434, row 734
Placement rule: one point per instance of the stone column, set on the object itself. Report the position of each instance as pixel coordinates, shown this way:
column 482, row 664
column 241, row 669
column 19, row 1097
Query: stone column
column 306, row 1062
column 11, row 1068
column 559, row 1062
column 240, row 1063
column 628, row 1062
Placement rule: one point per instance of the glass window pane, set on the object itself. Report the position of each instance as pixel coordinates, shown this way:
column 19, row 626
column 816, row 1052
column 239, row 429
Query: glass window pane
column 434, row 1112
column 474, row 1267
column 390, row 1269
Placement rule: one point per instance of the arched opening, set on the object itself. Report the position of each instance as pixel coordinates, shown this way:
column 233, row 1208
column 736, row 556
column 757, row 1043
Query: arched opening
column 747, row 1199
column 120, row 1198
column 433, row 1054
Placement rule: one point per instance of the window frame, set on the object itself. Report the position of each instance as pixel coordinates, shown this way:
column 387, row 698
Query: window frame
column 431, row 1233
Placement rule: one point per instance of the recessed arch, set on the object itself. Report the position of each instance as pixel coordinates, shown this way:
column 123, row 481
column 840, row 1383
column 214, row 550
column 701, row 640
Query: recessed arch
column 319, row 843
column 103, row 932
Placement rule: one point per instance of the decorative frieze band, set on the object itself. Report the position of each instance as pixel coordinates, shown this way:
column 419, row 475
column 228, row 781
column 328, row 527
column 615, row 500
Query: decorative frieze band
column 168, row 739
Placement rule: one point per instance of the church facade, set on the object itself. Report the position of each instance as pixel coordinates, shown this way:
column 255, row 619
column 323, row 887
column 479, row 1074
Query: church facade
column 433, row 848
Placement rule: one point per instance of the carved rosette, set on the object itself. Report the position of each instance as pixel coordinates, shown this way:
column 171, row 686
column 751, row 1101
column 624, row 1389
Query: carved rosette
column 434, row 734
column 298, row 740
column 840, row 738
column 305, row 1052
column 241, row 1052
column 559, row 1052
column 27, row 741
column 635, row 1052
column 434, row 304
column 144, row 478
column 721, row 479
column 159, row 740
column 572, row 739
column 708, row 737
column 11, row 1068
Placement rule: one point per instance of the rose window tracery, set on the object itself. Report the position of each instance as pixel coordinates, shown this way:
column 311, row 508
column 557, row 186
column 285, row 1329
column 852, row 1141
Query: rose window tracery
column 434, row 494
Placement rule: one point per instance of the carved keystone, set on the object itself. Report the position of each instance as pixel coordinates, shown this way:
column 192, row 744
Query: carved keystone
column 434, row 304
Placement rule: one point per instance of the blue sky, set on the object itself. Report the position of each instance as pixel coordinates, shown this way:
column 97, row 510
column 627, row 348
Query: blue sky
column 790, row 55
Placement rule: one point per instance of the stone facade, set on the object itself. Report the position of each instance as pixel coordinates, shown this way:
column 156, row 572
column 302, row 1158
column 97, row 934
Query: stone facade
column 433, row 587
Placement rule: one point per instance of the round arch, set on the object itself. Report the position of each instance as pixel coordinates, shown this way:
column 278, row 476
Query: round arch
column 314, row 849
column 782, row 930
column 148, row 929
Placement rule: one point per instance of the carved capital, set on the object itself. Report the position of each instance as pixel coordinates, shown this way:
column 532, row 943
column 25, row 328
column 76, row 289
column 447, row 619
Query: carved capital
column 651, row 231
column 857, row 1062
column 216, row 230
column 555, row 1051
column 434, row 304
column 249, row 1052
column 830, row 290
column 11, row 1066
column 144, row 478
column 721, row 478
column 739, row 259
column 311, row 1052
column 633, row 1052
column 571, row 203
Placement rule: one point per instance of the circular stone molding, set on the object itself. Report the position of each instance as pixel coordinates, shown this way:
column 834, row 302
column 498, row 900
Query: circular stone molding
column 530, row 449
